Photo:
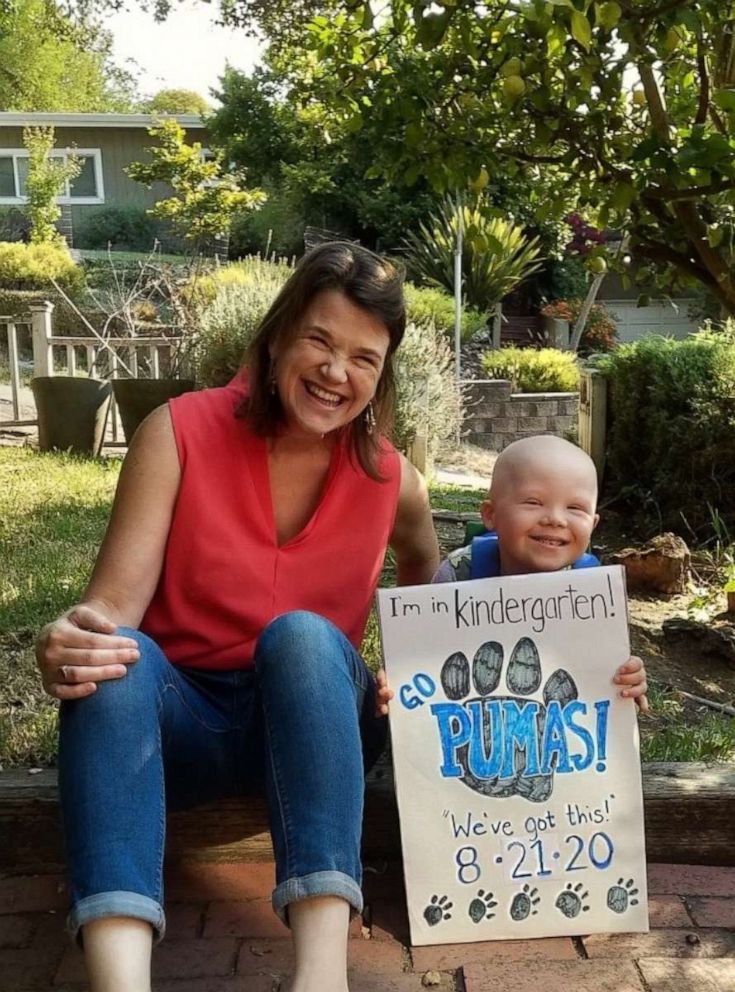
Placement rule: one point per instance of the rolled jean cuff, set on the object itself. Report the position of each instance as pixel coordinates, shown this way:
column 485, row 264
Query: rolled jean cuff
column 319, row 883
column 130, row 904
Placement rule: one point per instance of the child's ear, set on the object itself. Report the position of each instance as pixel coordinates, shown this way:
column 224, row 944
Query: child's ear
column 487, row 512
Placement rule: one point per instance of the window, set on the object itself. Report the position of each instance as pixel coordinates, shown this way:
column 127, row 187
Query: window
column 7, row 176
column 86, row 188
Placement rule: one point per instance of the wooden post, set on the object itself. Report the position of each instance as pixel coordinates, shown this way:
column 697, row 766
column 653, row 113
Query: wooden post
column 14, row 375
column 41, row 330
column 593, row 417
column 497, row 325
column 418, row 450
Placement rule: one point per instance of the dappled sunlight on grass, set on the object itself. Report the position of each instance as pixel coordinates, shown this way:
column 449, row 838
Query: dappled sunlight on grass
column 53, row 512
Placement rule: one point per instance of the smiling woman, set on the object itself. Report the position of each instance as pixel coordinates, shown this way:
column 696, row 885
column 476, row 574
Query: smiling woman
column 328, row 373
column 247, row 537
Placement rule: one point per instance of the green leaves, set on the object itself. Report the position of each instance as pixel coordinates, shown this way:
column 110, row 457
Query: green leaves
column 206, row 200
column 608, row 15
column 496, row 256
column 431, row 28
column 623, row 196
column 581, row 29
column 725, row 100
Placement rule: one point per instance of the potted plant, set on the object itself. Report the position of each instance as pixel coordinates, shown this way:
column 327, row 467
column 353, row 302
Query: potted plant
column 146, row 317
column 599, row 332
column 72, row 413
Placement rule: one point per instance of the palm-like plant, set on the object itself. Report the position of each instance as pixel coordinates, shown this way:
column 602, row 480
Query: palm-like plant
column 496, row 255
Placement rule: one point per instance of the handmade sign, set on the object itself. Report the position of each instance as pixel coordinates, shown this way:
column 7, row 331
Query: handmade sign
column 516, row 761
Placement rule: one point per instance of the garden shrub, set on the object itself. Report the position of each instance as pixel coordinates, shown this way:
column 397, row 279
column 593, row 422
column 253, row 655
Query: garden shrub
column 33, row 266
column 426, row 305
column 546, row 370
column 428, row 400
column 278, row 226
column 203, row 288
column 123, row 228
column 227, row 323
column 671, row 441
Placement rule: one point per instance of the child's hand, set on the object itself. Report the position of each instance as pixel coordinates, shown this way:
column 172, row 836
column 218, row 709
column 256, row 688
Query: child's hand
column 632, row 675
column 383, row 693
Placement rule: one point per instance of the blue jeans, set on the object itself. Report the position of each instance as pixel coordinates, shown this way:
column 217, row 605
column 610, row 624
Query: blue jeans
column 301, row 727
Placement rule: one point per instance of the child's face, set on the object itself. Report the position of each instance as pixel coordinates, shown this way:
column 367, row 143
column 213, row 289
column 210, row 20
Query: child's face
column 544, row 516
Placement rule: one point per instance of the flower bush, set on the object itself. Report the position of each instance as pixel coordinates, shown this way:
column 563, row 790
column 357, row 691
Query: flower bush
column 600, row 330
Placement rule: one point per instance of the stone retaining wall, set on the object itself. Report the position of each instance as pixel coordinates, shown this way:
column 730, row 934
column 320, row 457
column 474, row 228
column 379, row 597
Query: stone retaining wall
column 495, row 416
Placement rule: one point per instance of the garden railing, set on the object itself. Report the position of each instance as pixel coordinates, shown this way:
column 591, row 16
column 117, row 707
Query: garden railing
column 54, row 354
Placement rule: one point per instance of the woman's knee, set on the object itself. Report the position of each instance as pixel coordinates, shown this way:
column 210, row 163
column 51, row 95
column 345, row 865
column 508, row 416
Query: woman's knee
column 307, row 649
column 295, row 634
column 135, row 691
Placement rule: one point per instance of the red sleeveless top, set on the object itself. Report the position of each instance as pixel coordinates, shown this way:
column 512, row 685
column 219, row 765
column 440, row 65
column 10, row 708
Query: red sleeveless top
column 224, row 576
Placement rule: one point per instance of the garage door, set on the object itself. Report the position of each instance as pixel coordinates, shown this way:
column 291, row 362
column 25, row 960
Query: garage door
column 658, row 318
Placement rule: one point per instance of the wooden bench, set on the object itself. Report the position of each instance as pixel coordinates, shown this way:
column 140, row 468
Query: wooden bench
column 689, row 812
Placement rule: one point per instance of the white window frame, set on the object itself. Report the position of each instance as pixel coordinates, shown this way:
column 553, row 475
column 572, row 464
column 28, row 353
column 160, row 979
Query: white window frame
column 94, row 153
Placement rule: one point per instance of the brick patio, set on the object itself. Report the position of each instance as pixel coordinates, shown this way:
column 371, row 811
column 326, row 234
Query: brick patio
column 223, row 937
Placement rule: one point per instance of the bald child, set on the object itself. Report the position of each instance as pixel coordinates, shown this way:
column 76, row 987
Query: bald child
column 542, row 505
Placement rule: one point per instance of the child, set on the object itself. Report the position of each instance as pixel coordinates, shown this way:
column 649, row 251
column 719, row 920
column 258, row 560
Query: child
column 542, row 509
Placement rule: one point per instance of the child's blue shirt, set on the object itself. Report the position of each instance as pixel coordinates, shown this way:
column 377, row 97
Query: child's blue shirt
column 481, row 560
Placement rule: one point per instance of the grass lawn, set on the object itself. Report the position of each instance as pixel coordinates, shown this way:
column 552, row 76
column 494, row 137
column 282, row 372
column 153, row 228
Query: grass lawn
column 53, row 511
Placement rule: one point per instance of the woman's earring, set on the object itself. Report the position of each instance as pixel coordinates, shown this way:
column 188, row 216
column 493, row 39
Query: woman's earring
column 369, row 418
column 272, row 380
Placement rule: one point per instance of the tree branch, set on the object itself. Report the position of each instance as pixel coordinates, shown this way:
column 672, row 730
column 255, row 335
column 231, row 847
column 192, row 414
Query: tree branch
column 536, row 159
column 717, row 120
column 701, row 115
column 657, row 251
column 646, row 16
column 691, row 192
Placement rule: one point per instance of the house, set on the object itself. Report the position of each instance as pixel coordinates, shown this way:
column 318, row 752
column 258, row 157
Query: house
column 106, row 145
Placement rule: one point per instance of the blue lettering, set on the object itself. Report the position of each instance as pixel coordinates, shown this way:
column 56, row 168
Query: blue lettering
column 485, row 712
column 580, row 761
column 521, row 734
column 554, row 741
column 408, row 698
column 454, row 731
column 602, row 707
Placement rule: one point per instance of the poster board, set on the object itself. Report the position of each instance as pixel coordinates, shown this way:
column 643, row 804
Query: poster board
column 516, row 762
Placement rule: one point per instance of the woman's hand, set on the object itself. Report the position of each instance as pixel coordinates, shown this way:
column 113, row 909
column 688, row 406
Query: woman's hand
column 383, row 693
column 80, row 649
column 632, row 675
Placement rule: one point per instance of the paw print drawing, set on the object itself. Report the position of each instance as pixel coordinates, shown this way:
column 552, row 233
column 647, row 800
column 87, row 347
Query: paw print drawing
column 524, row 904
column 437, row 910
column 484, row 766
column 572, row 901
column 481, row 907
column 621, row 896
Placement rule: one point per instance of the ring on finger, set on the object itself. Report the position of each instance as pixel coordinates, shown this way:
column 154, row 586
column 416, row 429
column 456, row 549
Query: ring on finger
column 64, row 673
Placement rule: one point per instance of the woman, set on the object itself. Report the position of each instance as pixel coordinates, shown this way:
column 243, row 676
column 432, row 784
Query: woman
column 215, row 649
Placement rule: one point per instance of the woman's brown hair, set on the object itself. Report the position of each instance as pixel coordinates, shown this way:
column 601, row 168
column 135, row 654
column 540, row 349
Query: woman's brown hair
column 368, row 281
